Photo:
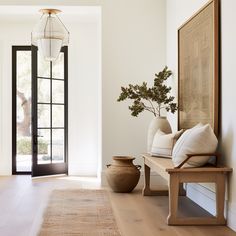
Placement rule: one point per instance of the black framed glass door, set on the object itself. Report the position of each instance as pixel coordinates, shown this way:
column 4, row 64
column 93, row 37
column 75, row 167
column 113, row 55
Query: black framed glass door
column 49, row 114
column 21, row 110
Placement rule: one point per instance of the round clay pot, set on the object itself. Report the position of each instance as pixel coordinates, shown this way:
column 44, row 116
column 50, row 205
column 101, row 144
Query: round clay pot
column 122, row 175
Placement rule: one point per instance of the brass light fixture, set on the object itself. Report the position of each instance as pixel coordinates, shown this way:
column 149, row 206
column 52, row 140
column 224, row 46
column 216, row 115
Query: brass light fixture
column 50, row 34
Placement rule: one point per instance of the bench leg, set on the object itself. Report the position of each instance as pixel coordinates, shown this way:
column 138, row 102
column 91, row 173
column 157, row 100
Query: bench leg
column 147, row 191
column 146, row 188
column 220, row 198
column 173, row 198
column 173, row 203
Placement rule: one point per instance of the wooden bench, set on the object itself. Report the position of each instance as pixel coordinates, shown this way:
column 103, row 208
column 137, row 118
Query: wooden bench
column 176, row 176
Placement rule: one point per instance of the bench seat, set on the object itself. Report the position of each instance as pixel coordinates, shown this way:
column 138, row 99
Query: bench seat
column 176, row 176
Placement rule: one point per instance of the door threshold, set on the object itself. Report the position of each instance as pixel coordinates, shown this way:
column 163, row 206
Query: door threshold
column 49, row 176
column 22, row 173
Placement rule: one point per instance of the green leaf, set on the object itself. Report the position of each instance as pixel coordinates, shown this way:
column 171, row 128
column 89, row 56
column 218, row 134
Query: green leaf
column 155, row 96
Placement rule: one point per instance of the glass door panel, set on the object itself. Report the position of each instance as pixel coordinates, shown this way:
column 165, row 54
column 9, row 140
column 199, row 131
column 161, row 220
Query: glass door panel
column 21, row 110
column 49, row 106
column 44, row 116
column 58, row 68
column 58, row 145
column 58, row 116
column 58, row 91
column 44, row 89
column 43, row 68
column 44, row 146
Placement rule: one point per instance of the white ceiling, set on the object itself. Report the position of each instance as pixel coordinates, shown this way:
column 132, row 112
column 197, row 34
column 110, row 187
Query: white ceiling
column 68, row 14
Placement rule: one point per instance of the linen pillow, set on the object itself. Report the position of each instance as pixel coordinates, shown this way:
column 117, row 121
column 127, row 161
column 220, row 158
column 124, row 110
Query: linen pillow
column 163, row 143
column 199, row 139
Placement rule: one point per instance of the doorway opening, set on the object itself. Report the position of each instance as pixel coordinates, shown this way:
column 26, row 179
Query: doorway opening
column 39, row 115
column 84, row 85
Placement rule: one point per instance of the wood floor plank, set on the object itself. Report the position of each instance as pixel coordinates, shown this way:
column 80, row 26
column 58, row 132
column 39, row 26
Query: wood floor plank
column 23, row 200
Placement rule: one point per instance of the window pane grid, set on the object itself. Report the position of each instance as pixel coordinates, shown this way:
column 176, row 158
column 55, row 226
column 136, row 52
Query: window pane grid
column 48, row 78
column 53, row 103
column 56, row 102
column 51, row 128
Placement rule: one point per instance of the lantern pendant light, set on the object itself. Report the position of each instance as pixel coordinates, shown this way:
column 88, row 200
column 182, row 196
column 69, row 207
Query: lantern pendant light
column 50, row 34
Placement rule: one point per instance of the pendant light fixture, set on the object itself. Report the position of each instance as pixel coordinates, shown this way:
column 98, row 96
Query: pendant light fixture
column 50, row 34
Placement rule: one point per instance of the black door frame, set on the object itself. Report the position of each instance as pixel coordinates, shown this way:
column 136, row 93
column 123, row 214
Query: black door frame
column 14, row 104
column 57, row 168
column 44, row 170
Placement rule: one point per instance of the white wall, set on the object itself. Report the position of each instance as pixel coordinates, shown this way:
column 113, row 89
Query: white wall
column 228, row 85
column 133, row 42
column 84, row 93
column 133, row 50
column 83, row 85
column 177, row 13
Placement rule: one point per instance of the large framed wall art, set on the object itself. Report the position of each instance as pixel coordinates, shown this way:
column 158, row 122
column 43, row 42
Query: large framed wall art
column 198, row 68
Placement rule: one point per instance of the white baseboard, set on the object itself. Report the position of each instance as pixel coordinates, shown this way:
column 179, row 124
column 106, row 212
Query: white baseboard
column 231, row 216
column 205, row 197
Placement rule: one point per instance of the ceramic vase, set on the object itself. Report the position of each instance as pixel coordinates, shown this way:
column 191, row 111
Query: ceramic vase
column 122, row 175
column 156, row 123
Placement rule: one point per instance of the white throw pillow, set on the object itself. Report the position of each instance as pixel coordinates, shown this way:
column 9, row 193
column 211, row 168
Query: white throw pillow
column 199, row 139
column 163, row 143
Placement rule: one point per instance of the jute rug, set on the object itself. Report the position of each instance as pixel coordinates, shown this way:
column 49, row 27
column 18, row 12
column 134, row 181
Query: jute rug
column 79, row 212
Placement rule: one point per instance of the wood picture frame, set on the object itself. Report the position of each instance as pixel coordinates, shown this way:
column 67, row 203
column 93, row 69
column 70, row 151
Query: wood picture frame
column 198, row 68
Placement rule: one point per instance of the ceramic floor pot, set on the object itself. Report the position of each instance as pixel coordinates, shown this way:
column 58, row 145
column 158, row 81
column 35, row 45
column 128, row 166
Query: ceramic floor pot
column 122, row 175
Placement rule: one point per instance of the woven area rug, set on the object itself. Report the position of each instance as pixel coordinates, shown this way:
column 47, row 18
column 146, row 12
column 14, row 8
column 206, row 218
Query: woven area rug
column 79, row 212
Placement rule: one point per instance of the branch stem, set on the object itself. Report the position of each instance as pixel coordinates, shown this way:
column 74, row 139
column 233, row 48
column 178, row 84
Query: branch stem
column 147, row 109
column 154, row 111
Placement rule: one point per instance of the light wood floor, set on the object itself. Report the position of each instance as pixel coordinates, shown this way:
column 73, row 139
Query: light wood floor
column 23, row 200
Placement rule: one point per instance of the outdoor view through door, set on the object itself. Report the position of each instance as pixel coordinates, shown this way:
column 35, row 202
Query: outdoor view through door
column 39, row 112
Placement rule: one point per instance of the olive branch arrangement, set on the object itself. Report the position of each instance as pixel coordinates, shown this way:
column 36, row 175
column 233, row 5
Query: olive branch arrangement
column 152, row 99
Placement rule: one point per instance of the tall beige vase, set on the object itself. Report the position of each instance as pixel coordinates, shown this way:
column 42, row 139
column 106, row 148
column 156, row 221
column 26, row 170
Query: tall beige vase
column 161, row 123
